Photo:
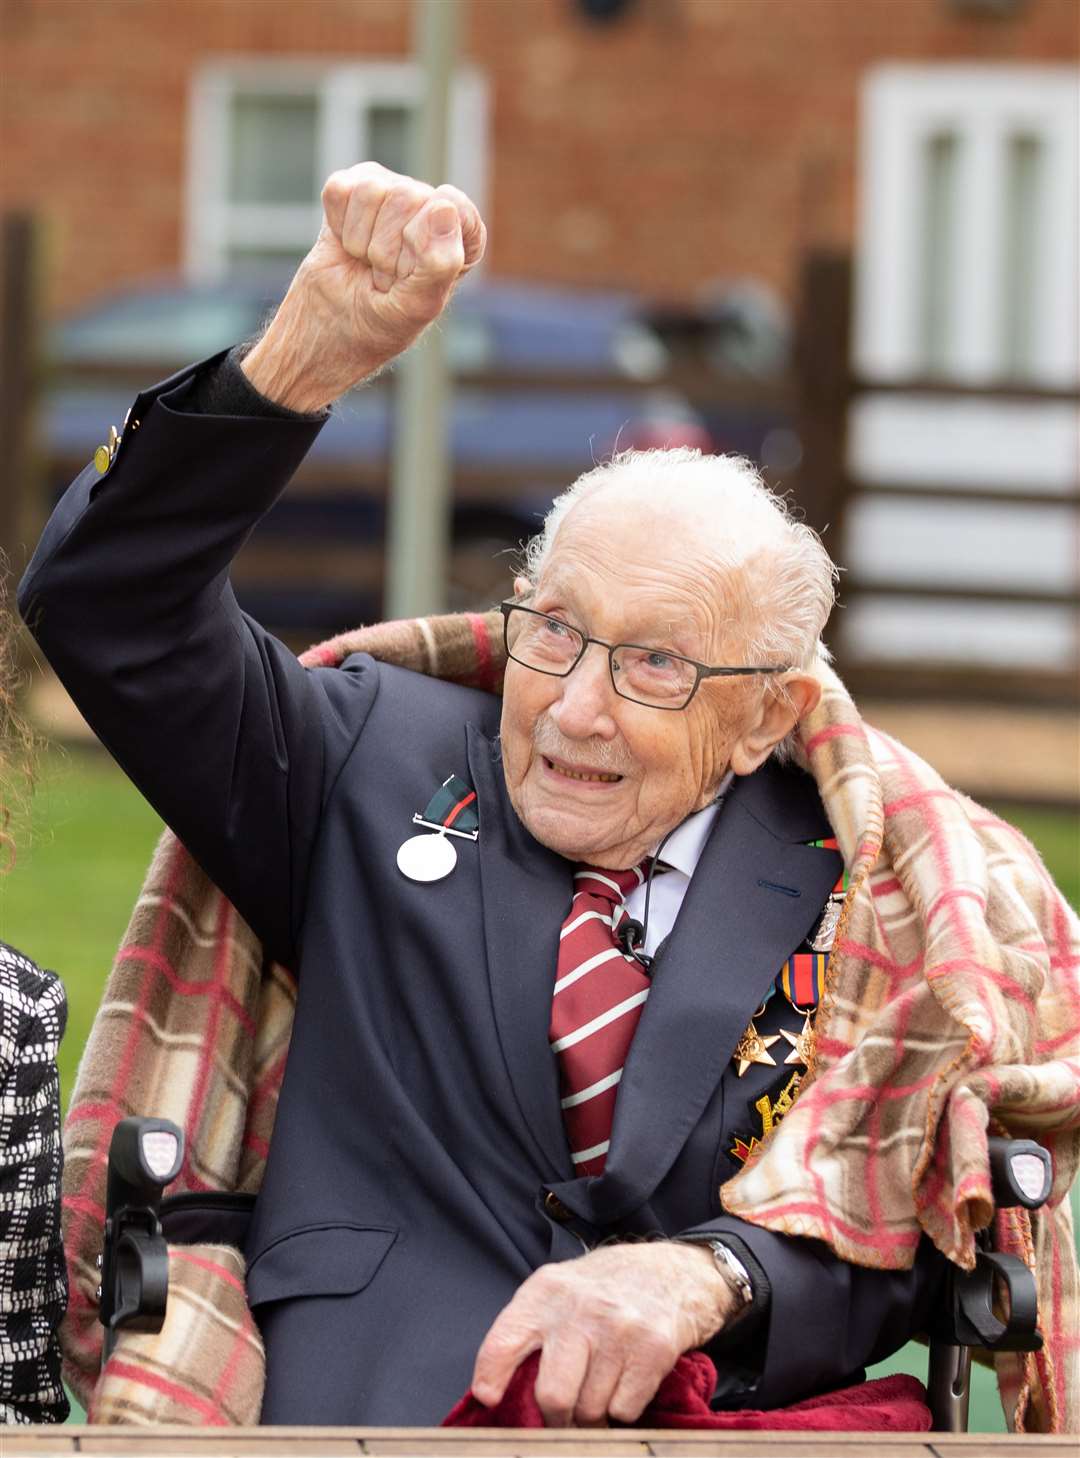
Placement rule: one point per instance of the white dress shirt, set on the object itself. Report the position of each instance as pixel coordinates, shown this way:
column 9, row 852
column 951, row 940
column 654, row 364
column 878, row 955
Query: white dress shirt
column 681, row 853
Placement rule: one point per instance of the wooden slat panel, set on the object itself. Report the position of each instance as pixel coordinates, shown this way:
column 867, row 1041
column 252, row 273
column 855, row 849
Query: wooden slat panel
column 984, row 496
column 305, row 562
column 955, row 592
column 954, row 390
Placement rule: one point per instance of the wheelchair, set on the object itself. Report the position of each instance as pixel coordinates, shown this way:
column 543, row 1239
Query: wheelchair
column 993, row 1306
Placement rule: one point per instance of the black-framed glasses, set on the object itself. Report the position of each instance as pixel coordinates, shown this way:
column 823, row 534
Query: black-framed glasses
column 650, row 676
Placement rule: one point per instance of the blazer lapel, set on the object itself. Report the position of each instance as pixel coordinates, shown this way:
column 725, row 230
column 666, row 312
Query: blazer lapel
column 526, row 891
column 753, row 898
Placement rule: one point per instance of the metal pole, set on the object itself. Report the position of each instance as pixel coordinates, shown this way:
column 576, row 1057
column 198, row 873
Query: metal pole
column 418, row 524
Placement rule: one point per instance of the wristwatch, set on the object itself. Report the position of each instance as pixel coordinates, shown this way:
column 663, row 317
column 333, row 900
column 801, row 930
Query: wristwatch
column 732, row 1269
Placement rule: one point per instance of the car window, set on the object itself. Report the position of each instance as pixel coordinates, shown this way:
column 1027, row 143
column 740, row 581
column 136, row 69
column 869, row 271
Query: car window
column 158, row 327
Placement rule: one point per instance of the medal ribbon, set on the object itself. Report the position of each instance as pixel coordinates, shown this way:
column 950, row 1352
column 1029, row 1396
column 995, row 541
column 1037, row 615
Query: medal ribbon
column 802, row 978
column 840, row 889
column 453, row 805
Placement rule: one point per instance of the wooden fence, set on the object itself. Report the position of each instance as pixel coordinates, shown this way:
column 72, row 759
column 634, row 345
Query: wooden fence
column 830, row 490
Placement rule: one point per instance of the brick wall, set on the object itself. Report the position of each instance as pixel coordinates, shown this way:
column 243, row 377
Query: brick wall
column 692, row 139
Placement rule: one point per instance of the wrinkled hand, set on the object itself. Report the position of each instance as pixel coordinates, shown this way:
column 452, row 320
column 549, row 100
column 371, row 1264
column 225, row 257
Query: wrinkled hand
column 382, row 268
column 609, row 1325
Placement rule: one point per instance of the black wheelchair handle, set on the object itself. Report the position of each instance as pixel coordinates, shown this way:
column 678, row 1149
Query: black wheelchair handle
column 144, row 1156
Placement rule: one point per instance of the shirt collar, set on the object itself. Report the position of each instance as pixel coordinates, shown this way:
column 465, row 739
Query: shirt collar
column 682, row 849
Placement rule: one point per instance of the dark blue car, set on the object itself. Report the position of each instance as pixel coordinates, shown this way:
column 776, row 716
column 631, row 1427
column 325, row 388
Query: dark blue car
column 548, row 382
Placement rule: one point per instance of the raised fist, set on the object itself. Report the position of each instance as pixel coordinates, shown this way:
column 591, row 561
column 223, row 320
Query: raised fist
column 382, row 268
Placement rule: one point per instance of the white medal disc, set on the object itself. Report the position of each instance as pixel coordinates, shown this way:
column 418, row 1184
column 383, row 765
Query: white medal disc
column 427, row 857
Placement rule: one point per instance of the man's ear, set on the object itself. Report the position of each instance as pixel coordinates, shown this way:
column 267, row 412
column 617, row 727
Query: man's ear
column 522, row 585
column 776, row 716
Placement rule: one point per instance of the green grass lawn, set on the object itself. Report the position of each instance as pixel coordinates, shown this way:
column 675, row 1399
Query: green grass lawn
column 67, row 902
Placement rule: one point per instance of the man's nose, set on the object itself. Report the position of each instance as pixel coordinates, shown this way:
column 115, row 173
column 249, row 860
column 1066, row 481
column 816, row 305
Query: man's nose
column 585, row 704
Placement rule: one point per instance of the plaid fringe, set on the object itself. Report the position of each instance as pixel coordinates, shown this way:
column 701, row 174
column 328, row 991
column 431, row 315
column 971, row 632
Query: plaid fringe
column 952, row 1000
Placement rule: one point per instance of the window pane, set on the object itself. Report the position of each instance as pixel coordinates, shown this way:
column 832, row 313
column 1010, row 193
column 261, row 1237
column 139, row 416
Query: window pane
column 1024, row 183
column 272, row 151
column 940, row 162
column 277, row 263
column 388, row 137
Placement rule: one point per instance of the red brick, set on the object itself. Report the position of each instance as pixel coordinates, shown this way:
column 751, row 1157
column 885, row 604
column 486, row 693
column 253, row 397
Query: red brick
column 694, row 139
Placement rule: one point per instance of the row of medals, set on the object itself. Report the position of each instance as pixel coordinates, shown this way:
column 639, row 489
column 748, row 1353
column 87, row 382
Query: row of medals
column 752, row 1047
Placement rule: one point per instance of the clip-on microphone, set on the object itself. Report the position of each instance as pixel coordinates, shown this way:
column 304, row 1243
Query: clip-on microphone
column 631, row 938
column 630, row 933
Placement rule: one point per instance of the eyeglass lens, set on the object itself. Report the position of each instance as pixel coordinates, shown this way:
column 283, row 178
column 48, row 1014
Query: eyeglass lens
column 646, row 675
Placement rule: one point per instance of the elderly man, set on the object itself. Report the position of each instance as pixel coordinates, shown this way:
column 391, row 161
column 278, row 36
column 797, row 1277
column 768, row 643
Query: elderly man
column 523, row 1067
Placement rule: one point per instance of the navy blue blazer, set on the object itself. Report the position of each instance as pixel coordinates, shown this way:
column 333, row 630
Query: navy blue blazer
column 419, row 1171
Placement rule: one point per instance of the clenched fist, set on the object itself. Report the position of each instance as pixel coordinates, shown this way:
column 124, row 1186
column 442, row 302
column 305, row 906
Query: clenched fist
column 383, row 267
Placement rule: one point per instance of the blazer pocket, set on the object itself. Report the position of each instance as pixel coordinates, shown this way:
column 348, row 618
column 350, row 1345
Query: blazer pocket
column 319, row 1260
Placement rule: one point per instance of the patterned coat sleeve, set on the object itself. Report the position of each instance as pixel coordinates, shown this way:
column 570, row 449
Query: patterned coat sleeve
column 33, row 1278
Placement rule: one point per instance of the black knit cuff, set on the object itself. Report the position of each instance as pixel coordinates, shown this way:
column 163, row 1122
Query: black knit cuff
column 226, row 390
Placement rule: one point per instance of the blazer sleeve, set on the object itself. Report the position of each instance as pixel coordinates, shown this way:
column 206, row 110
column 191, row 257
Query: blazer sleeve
column 235, row 745
column 824, row 1319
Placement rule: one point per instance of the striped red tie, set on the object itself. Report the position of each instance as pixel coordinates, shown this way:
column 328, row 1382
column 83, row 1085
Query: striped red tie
column 599, row 994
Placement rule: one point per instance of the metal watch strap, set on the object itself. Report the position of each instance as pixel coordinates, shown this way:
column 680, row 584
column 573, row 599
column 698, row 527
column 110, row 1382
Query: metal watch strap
column 730, row 1267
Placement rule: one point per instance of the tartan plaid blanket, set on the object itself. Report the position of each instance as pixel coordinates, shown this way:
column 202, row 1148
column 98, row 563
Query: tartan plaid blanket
column 952, row 1009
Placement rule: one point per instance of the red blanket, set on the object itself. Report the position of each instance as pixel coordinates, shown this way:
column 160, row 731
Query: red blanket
column 886, row 1405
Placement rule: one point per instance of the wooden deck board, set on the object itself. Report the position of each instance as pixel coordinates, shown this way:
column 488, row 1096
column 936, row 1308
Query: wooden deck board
column 184, row 1442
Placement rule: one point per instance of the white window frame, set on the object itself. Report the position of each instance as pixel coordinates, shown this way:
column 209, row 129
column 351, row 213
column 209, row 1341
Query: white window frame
column 344, row 93
column 984, row 107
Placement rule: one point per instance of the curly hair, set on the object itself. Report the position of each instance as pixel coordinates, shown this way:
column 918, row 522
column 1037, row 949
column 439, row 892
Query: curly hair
column 16, row 736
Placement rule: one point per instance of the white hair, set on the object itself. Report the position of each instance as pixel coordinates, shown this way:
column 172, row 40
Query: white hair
column 775, row 566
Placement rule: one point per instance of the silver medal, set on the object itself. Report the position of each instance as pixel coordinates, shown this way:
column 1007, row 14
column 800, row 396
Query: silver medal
column 826, row 933
column 427, row 857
